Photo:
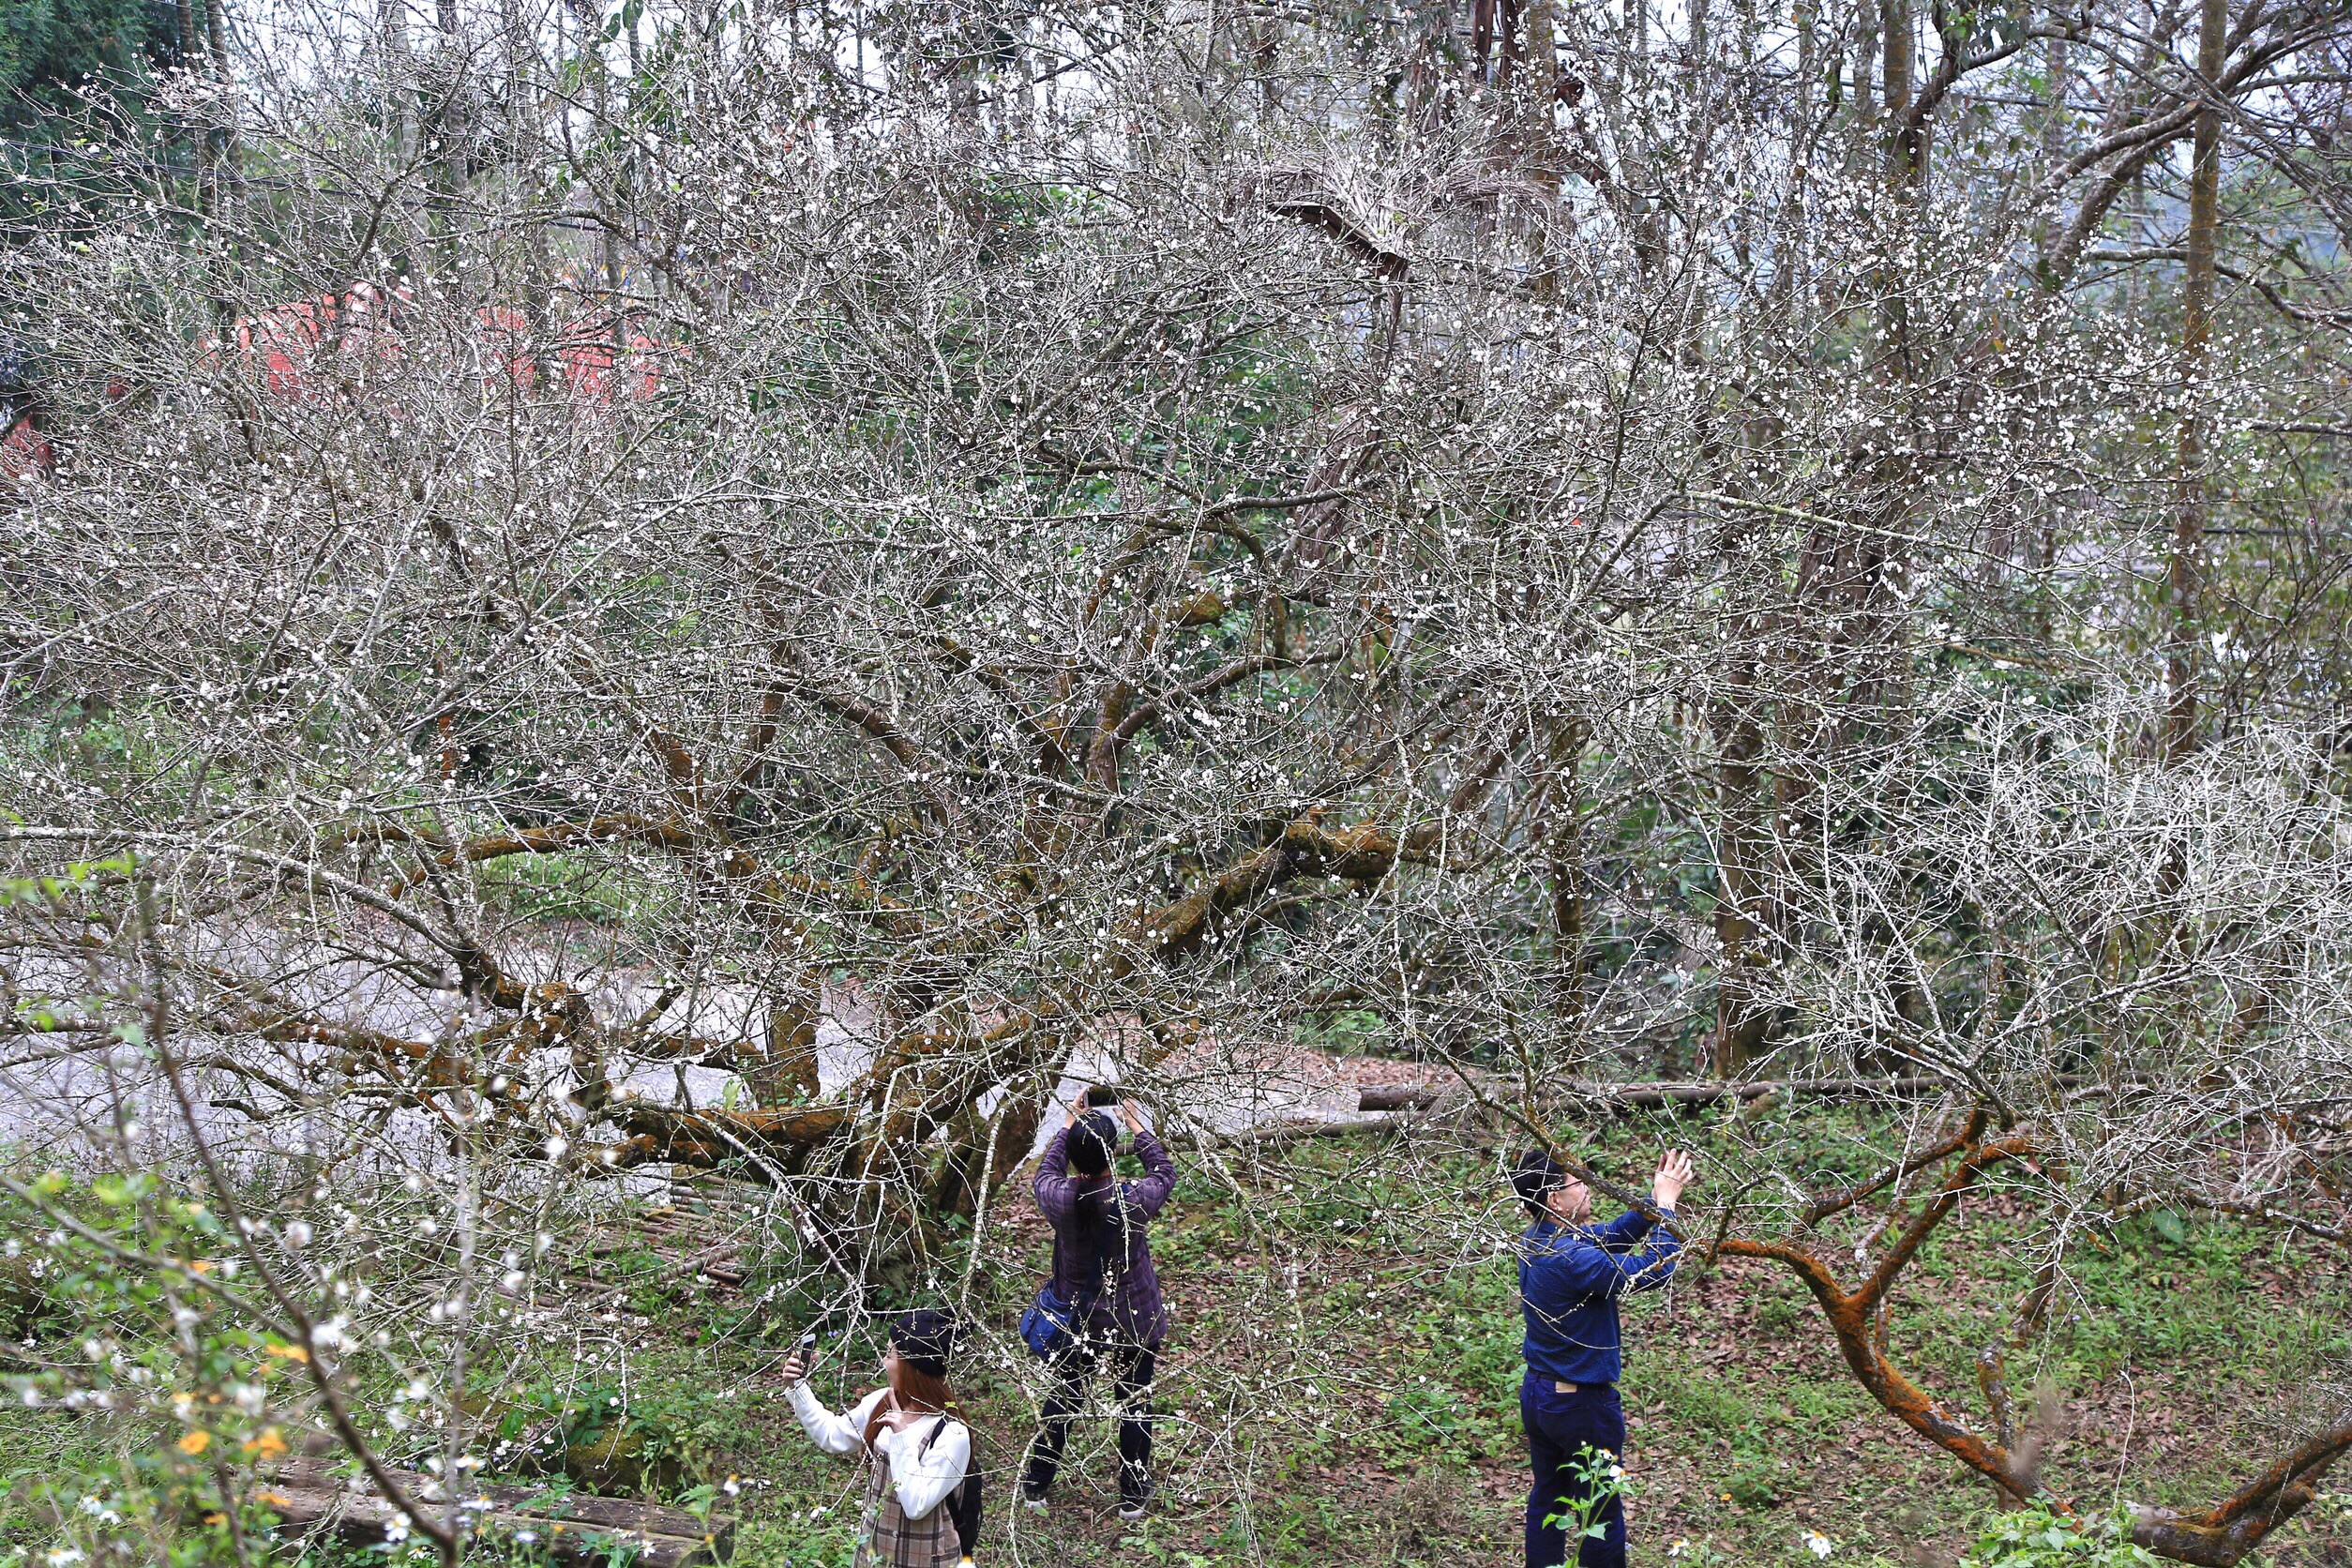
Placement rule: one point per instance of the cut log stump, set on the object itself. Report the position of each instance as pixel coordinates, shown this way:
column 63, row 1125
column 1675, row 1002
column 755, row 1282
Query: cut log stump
column 309, row 1498
column 1404, row 1096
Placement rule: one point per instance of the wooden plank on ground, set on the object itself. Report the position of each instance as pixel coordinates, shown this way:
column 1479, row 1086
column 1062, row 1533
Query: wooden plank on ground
column 308, row 1496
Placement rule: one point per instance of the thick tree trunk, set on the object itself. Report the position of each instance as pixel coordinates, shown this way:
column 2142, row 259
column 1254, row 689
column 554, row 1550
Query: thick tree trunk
column 1562, row 831
column 1902, row 137
column 2184, row 579
column 1742, row 1021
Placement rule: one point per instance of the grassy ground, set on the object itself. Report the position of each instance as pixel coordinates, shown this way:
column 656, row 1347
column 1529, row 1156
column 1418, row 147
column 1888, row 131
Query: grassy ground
column 1341, row 1386
column 1374, row 1314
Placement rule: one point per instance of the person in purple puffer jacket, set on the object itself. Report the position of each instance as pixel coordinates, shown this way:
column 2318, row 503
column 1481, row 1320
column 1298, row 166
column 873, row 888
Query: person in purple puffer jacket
column 1102, row 1261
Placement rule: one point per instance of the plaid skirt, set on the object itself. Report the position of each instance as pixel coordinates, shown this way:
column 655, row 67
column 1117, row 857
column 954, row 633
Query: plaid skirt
column 886, row 1538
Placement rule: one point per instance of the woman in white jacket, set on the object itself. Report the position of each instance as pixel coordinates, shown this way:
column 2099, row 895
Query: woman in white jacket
column 918, row 1447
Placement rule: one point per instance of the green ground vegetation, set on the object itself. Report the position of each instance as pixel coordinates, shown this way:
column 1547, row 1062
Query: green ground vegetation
column 1340, row 1389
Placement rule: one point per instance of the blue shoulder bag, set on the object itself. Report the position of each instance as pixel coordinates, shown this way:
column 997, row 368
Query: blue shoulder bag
column 1052, row 1325
column 1049, row 1325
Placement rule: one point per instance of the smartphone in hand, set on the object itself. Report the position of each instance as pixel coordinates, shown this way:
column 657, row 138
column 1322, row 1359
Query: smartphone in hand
column 1102, row 1095
column 803, row 1360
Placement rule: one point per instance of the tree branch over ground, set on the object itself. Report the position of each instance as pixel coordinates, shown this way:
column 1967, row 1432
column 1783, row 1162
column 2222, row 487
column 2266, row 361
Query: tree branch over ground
column 689, row 617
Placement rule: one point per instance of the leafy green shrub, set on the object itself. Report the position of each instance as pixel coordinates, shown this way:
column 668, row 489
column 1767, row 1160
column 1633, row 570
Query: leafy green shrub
column 193, row 1397
column 1753, row 1483
column 813, row 1538
column 2040, row 1537
column 1430, row 1414
column 651, row 1442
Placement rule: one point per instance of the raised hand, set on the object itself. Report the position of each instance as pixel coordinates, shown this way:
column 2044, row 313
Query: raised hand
column 1675, row 1172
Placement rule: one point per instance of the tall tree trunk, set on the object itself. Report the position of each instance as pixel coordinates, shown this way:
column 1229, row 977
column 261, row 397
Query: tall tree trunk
column 403, row 109
column 2185, row 579
column 1742, row 1021
column 216, row 42
column 525, row 159
column 1786, row 298
column 1895, row 56
column 1562, row 827
column 191, row 56
column 447, row 132
column 1632, row 54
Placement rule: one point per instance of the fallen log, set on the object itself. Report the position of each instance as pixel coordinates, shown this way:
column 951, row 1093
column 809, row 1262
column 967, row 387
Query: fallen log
column 1276, row 1135
column 1406, row 1096
column 1658, row 1096
column 1379, row 1105
column 309, row 1497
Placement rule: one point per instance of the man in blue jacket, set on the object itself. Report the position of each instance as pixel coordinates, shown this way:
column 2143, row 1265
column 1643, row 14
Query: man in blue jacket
column 1570, row 1274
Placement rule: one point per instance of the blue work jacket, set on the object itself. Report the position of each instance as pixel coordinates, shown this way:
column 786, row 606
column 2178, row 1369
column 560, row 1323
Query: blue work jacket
column 1570, row 1279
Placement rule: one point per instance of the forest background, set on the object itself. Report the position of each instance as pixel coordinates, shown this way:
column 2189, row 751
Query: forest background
column 631, row 635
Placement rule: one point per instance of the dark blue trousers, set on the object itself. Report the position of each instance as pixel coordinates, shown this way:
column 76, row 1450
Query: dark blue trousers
column 1131, row 1369
column 1560, row 1427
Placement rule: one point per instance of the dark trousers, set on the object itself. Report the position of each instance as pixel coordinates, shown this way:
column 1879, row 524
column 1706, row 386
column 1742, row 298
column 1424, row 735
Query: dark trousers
column 1131, row 1369
column 1565, row 1430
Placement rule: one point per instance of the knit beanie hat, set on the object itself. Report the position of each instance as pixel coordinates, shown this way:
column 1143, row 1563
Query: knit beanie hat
column 925, row 1339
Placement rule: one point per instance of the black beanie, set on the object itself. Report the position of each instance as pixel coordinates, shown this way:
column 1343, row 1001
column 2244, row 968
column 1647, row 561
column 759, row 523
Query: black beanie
column 925, row 1339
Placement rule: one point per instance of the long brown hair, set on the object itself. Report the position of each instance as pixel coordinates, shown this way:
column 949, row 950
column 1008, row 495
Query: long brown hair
column 916, row 1390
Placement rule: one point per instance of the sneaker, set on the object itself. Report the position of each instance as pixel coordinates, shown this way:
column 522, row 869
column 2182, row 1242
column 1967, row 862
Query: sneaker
column 1132, row 1509
column 1035, row 1504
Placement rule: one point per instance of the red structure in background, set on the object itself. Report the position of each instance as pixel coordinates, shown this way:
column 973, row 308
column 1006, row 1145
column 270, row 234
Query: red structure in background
column 289, row 350
column 282, row 347
column 24, row 452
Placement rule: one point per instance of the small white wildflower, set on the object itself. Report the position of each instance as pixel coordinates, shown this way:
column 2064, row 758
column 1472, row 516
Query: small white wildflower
column 1819, row 1544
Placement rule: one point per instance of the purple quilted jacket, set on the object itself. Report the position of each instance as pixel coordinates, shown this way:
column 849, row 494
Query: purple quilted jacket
column 1134, row 1308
